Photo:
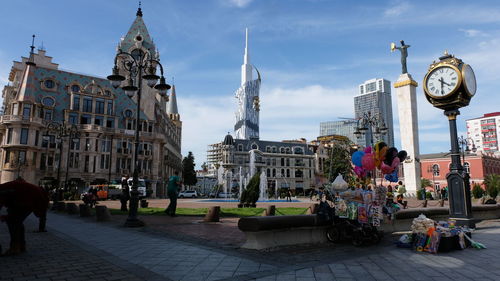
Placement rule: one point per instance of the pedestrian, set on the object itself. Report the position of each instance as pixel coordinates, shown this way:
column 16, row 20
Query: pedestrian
column 174, row 184
column 289, row 195
column 21, row 199
column 401, row 192
column 443, row 192
column 125, row 196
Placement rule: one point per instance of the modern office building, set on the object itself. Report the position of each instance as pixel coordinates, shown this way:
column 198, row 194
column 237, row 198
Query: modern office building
column 484, row 132
column 344, row 128
column 39, row 94
column 374, row 99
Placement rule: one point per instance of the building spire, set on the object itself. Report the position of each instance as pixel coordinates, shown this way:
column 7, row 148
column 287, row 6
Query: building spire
column 245, row 59
column 172, row 102
column 139, row 11
column 246, row 68
column 31, row 60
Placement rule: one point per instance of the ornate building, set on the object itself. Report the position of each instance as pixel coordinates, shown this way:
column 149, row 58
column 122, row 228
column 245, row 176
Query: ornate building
column 39, row 93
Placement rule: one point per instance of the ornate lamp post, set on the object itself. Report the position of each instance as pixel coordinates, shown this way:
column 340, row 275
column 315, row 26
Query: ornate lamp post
column 137, row 66
column 62, row 131
column 434, row 169
column 465, row 149
column 368, row 126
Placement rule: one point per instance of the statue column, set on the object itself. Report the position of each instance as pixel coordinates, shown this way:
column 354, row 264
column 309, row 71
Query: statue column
column 408, row 126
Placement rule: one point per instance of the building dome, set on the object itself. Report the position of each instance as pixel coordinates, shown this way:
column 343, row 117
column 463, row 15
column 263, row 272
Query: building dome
column 228, row 140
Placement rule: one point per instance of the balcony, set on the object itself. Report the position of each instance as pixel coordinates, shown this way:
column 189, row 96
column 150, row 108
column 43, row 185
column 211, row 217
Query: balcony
column 21, row 118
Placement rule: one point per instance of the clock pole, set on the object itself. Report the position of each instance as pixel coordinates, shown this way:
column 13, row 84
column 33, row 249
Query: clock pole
column 458, row 182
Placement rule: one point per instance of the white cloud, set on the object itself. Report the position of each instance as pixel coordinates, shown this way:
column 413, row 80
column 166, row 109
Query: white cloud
column 397, row 9
column 473, row 32
column 239, row 3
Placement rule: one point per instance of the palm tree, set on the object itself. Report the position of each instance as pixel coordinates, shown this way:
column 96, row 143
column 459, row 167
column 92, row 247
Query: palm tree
column 492, row 182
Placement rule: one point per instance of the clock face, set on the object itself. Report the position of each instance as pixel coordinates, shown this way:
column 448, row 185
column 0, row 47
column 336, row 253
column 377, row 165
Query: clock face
column 469, row 79
column 442, row 81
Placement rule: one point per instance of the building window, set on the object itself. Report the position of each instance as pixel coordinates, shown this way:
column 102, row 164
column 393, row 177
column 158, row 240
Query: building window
column 274, row 173
column 99, row 106
column 85, row 119
column 240, row 147
column 128, row 113
column 110, row 108
column 75, row 144
column 37, row 136
column 99, row 120
column 24, row 136
column 87, row 104
column 27, row 111
column 73, row 118
column 110, row 122
column 435, row 170
column 467, row 167
column 254, row 146
column 49, row 84
column 9, row 135
column 86, row 164
column 47, row 114
column 76, row 102
column 282, row 150
column 48, row 101
column 287, row 173
column 75, row 88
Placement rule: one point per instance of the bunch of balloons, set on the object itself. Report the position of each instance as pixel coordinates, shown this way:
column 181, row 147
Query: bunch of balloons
column 382, row 157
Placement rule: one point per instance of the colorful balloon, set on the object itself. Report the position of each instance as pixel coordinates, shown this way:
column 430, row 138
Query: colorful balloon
column 356, row 158
column 368, row 161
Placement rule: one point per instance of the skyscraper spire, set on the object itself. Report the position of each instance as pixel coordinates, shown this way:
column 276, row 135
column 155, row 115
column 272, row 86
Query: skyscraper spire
column 246, row 68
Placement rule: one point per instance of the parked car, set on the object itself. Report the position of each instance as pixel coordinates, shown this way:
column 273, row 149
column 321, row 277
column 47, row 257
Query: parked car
column 225, row 195
column 188, row 194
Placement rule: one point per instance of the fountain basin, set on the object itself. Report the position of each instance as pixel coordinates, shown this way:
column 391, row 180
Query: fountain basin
column 237, row 201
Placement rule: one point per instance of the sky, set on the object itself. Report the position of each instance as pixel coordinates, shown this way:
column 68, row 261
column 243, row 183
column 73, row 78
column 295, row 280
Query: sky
column 312, row 55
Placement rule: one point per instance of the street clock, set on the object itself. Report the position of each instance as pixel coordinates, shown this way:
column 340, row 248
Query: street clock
column 449, row 83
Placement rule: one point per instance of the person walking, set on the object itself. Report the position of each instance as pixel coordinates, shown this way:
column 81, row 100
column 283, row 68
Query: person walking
column 125, row 196
column 21, row 199
column 174, row 184
column 289, row 196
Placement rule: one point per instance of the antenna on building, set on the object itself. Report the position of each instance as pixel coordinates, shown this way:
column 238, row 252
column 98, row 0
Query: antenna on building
column 41, row 48
column 31, row 60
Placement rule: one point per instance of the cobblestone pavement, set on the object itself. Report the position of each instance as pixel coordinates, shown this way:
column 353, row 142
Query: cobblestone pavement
column 81, row 249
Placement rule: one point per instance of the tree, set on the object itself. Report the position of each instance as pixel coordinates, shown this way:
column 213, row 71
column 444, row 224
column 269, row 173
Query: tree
column 339, row 161
column 251, row 194
column 188, row 172
column 492, row 182
column 425, row 183
column 204, row 167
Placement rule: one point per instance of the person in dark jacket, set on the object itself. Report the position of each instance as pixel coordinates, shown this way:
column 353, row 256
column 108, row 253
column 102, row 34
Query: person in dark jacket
column 21, row 199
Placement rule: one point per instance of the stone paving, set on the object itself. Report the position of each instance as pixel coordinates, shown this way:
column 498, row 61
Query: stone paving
column 81, row 249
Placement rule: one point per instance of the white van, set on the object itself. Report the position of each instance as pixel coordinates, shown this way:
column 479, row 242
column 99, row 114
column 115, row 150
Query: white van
column 141, row 187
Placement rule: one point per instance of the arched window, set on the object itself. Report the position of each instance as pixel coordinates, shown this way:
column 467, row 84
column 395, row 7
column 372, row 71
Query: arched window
column 275, row 149
column 240, row 147
column 268, row 149
column 268, row 173
column 274, row 173
column 435, row 170
column 255, row 146
column 282, row 150
column 467, row 167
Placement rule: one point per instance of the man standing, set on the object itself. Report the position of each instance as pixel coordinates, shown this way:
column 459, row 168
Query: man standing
column 21, row 198
column 174, row 183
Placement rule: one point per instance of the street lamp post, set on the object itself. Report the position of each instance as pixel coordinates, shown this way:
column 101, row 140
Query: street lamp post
column 434, row 169
column 62, row 131
column 137, row 66
column 368, row 126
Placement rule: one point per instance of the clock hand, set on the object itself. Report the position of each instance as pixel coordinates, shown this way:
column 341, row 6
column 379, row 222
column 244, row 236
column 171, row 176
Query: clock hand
column 442, row 84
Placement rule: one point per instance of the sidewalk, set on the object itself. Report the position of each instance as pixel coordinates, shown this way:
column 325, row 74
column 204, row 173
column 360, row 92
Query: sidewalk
column 81, row 249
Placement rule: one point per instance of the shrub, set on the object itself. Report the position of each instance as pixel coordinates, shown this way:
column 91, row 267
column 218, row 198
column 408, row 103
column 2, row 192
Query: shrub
column 477, row 191
column 428, row 195
column 419, row 194
column 251, row 194
column 492, row 182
